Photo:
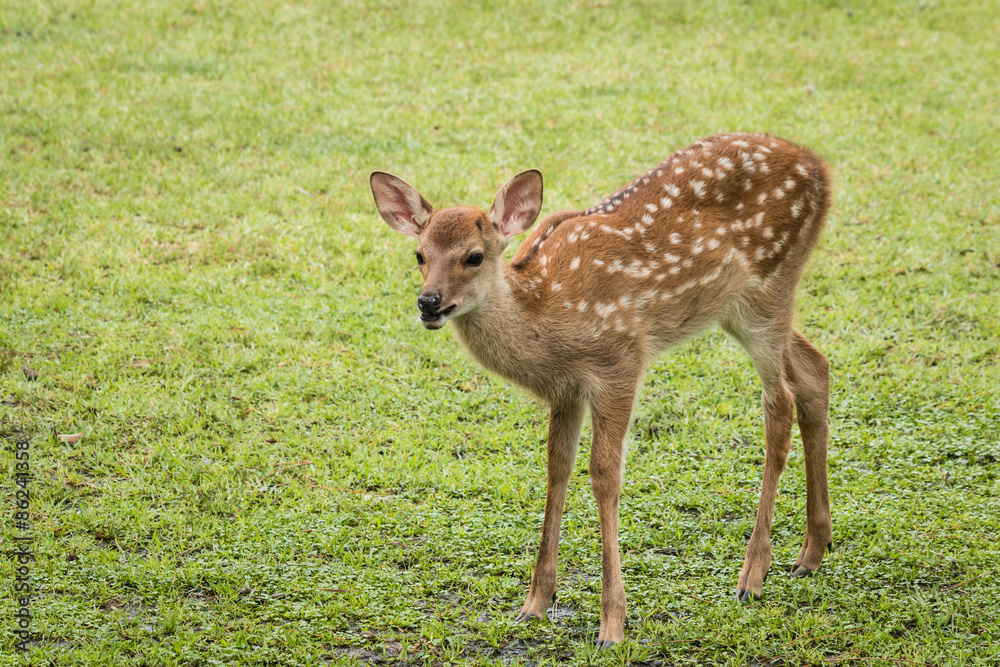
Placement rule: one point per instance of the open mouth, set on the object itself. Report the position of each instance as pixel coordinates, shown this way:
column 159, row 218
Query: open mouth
column 439, row 315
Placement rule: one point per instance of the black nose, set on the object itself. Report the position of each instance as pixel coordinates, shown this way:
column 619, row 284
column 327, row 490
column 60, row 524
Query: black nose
column 429, row 304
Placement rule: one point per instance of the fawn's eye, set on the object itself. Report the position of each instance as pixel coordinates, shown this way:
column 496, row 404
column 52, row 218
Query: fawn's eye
column 475, row 259
column 420, row 258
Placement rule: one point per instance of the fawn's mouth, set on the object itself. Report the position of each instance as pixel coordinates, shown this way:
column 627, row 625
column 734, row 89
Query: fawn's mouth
column 438, row 319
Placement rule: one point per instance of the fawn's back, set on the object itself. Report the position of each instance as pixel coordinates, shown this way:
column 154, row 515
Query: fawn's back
column 682, row 245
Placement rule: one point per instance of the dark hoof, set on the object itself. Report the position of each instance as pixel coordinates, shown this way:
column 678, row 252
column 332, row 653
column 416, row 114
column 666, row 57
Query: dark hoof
column 829, row 546
column 525, row 617
column 746, row 596
column 603, row 644
column 801, row 571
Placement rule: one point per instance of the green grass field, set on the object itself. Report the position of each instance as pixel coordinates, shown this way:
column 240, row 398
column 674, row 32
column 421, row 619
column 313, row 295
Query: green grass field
column 280, row 466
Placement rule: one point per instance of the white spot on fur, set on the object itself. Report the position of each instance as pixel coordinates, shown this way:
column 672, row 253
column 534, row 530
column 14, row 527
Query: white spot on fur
column 615, row 266
column 802, row 170
column 674, row 270
column 757, row 219
column 582, row 306
column 713, row 244
column 666, row 202
column 720, row 231
column 604, row 310
column 685, row 287
column 761, row 198
column 699, row 188
column 598, row 262
column 797, row 208
column 671, row 259
column 697, row 247
column 575, row 264
column 650, row 247
column 675, row 238
column 725, row 163
column 556, row 287
column 648, row 219
column 637, row 270
column 739, row 207
column 672, row 190
column 768, row 232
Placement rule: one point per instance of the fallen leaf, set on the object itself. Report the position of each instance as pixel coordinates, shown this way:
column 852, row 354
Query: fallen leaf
column 70, row 439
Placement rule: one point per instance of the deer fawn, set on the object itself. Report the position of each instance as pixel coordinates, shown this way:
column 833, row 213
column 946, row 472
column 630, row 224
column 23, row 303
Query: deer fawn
column 718, row 232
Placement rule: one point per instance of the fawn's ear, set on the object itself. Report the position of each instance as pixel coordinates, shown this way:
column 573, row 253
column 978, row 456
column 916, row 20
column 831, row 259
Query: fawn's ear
column 399, row 204
column 517, row 204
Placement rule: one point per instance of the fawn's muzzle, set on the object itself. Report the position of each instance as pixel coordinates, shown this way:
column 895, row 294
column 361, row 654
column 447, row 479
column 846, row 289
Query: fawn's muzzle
column 429, row 305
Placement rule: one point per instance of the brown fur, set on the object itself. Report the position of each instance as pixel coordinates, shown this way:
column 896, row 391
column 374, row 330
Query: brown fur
column 718, row 232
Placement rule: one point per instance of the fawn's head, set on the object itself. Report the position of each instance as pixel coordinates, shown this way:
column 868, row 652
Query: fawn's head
column 459, row 248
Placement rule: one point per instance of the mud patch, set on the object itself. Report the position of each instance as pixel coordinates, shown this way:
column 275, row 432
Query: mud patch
column 517, row 650
column 560, row 615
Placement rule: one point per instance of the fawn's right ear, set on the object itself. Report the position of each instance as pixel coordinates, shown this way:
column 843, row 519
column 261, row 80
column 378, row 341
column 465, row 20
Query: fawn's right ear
column 399, row 204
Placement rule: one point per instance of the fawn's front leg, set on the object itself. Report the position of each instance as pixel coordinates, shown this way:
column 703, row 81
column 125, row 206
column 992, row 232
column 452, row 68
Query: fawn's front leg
column 564, row 438
column 611, row 415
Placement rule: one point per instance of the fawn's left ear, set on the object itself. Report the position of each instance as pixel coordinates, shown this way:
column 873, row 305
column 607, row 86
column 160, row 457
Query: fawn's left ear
column 517, row 204
column 399, row 204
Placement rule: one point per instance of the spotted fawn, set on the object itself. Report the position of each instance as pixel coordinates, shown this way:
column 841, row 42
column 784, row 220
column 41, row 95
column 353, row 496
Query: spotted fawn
column 716, row 233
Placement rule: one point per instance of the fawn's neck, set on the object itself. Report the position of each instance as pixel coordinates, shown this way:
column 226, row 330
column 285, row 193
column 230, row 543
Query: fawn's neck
column 500, row 333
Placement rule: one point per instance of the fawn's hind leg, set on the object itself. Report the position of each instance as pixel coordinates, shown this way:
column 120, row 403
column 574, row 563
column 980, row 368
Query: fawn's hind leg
column 766, row 340
column 812, row 399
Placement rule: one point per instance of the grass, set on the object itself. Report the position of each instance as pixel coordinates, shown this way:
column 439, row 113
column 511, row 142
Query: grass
column 280, row 466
